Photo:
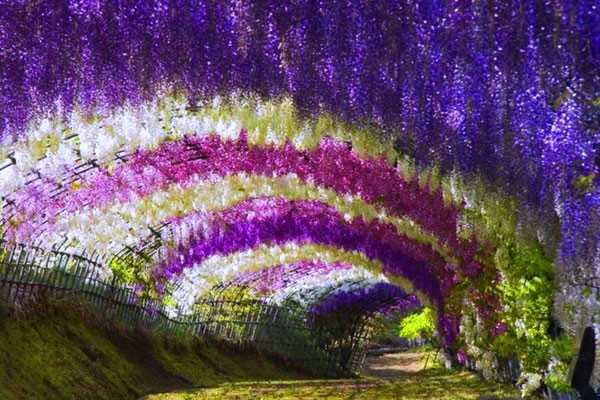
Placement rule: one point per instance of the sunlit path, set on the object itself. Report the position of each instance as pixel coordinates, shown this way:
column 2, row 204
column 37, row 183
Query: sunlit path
column 392, row 376
column 393, row 366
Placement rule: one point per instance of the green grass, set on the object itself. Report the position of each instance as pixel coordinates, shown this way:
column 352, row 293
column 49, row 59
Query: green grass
column 63, row 350
column 432, row 383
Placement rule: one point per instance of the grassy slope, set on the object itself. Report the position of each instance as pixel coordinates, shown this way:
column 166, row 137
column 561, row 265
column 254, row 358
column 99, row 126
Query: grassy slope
column 68, row 352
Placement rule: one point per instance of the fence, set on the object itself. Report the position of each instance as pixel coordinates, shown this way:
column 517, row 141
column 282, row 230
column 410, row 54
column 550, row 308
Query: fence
column 28, row 272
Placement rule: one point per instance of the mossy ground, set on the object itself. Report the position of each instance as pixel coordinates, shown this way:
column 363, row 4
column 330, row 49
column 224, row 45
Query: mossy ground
column 435, row 382
column 63, row 350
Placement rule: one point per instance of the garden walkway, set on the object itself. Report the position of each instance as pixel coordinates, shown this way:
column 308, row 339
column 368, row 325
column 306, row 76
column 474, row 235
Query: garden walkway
column 393, row 366
column 387, row 377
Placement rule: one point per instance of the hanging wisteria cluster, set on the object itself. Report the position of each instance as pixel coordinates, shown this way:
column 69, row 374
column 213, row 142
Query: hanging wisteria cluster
column 369, row 300
column 221, row 195
column 448, row 148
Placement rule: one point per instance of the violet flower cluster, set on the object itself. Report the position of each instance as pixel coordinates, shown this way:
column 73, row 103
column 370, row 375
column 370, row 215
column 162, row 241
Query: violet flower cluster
column 331, row 165
column 269, row 280
column 253, row 222
column 276, row 221
column 382, row 298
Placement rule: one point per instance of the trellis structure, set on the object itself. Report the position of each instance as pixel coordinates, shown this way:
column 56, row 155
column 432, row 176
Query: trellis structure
column 448, row 149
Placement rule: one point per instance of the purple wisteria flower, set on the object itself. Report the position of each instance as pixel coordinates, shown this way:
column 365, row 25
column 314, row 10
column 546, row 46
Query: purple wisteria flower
column 381, row 298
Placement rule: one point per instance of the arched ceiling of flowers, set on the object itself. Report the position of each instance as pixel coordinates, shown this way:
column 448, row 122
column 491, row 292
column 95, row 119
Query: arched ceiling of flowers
column 203, row 204
column 200, row 145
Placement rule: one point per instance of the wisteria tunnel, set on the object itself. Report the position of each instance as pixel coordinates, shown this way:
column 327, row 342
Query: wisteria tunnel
column 290, row 172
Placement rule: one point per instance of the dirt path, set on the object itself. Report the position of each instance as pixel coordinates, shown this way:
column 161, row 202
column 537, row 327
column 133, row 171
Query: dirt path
column 392, row 366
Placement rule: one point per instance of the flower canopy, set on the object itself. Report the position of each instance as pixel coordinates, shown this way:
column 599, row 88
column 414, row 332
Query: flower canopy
column 221, row 204
column 382, row 151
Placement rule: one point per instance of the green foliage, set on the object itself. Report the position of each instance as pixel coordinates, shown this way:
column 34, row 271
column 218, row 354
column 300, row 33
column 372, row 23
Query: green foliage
column 556, row 379
column 528, row 291
column 585, row 183
column 562, row 353
column 135, row 270
column 520, row 244
column 125, row 271
column 420, row 325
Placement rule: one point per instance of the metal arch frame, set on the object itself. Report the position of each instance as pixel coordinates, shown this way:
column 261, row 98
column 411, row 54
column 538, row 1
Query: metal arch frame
column 80, row 169
column 292, row 272
column 355, row 283
column 231, row 316
column 350, row 351
column 149, row 246
column 76, row 173
column 351, row 346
